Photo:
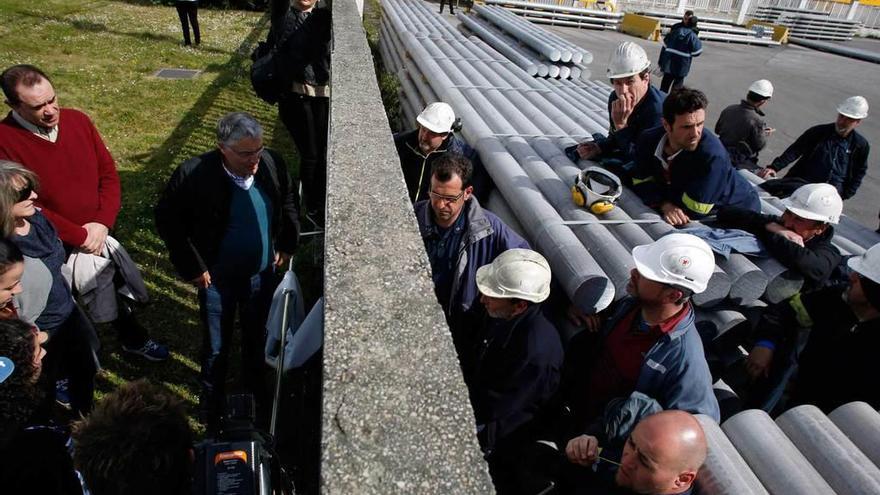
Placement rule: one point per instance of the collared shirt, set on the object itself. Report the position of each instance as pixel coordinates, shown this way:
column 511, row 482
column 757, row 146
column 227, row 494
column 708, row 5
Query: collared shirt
column 50, row 135
column 242, row 182
column 443, row 246
column 659, row 154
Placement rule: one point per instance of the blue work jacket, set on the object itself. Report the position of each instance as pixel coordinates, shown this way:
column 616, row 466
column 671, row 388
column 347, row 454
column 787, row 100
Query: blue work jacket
column 674, row 372
column 646, row 115
column 699, row 180
column 680, row 46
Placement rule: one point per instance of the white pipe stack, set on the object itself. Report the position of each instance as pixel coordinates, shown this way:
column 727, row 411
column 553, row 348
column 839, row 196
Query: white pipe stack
column 861, row 423
column 725, row 472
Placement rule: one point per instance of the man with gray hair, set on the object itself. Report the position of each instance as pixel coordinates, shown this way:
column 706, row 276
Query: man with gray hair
column 228, row 218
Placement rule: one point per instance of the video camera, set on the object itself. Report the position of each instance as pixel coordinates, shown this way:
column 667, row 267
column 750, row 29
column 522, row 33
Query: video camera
column 242, row 459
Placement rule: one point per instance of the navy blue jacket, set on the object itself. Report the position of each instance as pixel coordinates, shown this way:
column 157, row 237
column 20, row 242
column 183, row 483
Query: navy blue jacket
column 680, row 45
column 646, row 115
column 485, row 238
column 417, row 167
column 700, row 180
column 817, row 161
column 517, row 370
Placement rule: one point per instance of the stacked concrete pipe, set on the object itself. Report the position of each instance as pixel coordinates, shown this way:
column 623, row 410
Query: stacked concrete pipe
column 835, row 457
column 774, row 459
column 861, row 424
column 725, row 472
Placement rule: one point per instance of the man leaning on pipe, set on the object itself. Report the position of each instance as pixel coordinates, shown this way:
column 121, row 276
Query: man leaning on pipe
column 633, row 107
column 838, row 364
column 684, row 171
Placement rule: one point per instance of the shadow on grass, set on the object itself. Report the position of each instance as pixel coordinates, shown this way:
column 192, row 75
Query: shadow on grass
column 96, row 27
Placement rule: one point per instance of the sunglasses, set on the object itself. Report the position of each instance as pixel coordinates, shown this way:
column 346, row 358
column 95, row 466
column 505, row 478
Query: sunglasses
column 25, row 193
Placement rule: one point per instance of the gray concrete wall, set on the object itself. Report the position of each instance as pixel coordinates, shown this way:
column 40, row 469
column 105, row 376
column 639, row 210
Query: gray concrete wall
column 396, row 416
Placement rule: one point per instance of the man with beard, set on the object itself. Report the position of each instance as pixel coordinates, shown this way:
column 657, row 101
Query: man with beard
column 832, row 153
column 683, row 171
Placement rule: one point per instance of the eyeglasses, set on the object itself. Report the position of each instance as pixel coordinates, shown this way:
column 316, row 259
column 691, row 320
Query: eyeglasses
column 25, row 193
column 247, row 154
column 446, row 199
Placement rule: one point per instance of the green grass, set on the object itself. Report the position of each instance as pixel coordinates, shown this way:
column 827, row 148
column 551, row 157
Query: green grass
column 101, row 56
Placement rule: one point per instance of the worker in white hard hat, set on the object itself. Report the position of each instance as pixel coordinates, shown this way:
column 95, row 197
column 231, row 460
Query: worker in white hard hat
column 640, row 355
column 459, row 236
column 518, row 361
column 633, row 107
column 433, row 138
column 741, row 127
column 800, row 239
column 838, row 365
column 834, row 153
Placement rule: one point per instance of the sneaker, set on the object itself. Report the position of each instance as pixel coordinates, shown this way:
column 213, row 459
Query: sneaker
column 151, row 350
column 62, row 393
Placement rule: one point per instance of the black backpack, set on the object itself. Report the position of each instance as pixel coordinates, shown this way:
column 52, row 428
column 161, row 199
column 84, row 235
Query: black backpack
column 265, row 72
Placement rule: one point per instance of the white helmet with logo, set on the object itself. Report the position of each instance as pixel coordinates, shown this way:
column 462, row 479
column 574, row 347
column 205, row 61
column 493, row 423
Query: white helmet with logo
column 854, row 107
column 762, row 87
column 437, row 117
column 516, row 273
column 682, row 260
column 819, row 202
column 628, row 59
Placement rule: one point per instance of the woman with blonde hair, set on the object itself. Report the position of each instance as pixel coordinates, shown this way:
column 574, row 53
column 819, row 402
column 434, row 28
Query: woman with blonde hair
column 69, row 352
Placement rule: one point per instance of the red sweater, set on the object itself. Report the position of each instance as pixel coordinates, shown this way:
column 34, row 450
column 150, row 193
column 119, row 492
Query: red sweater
column 78, row 180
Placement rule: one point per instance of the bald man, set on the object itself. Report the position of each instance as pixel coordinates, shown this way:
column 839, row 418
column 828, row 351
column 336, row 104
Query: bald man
column 661, row 457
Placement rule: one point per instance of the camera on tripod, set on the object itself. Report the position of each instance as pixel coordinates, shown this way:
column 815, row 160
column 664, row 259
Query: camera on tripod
column 242, row 459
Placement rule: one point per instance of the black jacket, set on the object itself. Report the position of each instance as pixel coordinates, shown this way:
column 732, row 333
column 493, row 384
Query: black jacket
column 517, row 371
column 815, row 261
column 306, row 49
column 193, row 212
column 816, row 164
column 838, row 364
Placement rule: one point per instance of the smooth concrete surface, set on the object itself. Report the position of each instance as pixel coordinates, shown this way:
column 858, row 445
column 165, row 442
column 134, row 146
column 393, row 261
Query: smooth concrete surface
column 396, row 416
column 808, row 87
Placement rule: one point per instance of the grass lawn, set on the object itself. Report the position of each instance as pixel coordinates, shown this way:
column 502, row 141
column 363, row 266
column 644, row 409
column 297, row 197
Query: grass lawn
column 102, row 56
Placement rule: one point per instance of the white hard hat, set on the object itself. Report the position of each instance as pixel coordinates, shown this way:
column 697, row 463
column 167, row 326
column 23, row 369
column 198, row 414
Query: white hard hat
column 868, row 264
column 854, row 107
column 516, row 273
column 437, row 117
column 682, row 260
column 762, row 87
column 628, row 59
column 816, row 202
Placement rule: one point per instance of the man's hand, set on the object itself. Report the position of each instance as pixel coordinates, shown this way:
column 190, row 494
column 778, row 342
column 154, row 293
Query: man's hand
column 583, row 450
column 203, row 281
column 588, row 150
column 281, row 260
column 621, row 109
column 96, row 235
column 758, row 362
column 673, row 214
column 580, row 319
column 792, row 237
column 766, row 173
column 769, row 130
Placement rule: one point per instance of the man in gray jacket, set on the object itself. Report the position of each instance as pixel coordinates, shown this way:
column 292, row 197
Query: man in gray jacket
column 742, row 129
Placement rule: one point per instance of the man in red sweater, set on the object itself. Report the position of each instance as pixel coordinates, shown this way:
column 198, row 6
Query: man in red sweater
column 79, row 186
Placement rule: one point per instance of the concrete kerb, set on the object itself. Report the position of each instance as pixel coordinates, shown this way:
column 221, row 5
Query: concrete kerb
column 396, row 416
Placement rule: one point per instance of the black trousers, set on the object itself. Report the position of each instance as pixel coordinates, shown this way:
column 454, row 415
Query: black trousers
column 442, row 2
column 670, row 81
column 306, row 119
column 189, row 14
column 69, row 354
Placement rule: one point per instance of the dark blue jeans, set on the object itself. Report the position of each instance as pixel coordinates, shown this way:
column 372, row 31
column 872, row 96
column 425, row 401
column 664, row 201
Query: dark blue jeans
column 218, row 304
